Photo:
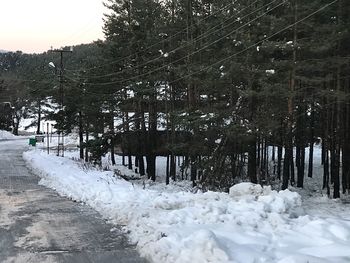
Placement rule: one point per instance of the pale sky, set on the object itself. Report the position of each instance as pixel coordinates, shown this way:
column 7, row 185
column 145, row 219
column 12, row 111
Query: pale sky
column 33, row 26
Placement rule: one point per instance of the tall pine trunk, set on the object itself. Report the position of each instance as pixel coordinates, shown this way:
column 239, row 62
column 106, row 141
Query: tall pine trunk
column 252, row 161
column 311, row 140
column 288, row 167
column 39, row 118
column 81, row 136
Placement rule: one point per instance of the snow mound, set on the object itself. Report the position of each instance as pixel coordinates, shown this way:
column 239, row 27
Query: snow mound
column 202, row 244
column 4, row 135
column 244, row 189
column 281, row 202
column 251, row 224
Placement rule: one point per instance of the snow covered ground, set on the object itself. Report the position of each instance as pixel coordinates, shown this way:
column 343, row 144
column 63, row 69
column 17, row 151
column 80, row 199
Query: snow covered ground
column 5, row 135
column 173, row 224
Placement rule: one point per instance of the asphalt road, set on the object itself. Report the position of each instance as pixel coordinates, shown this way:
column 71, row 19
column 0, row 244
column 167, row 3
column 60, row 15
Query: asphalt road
column 37, row 225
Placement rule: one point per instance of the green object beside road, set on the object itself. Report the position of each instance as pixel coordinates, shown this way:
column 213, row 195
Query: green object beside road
column 32, row 141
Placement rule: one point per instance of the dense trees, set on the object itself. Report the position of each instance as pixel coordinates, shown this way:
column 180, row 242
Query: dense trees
column 239, row 89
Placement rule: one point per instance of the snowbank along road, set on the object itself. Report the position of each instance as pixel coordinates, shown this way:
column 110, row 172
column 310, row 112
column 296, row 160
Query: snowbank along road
column 36, row 225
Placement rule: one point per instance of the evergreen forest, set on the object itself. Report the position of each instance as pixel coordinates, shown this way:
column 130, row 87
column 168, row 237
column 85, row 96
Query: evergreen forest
column 232, row 90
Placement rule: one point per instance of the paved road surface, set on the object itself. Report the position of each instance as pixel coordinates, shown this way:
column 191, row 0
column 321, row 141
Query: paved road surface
column 37, row 225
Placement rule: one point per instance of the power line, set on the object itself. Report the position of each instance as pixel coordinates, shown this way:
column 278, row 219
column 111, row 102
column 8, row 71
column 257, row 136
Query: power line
column 26, row 80
column 168, row 39
column 184, row 57
column 231, row 56
column 325, row 79
column 257, row 43
column 211, row 31
column 249, row 47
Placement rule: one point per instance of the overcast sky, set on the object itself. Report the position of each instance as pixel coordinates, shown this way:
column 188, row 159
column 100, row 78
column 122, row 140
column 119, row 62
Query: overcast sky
column 33, row 26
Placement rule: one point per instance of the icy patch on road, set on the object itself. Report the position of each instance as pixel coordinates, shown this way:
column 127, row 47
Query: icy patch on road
column 8, row 204
column 252, row 224
column 37, row 236
column 25, row 257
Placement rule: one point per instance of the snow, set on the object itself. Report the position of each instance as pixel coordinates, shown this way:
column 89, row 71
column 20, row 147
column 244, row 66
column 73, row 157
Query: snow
column 71, row 140
column 246, row 189
column 25, row 125
column 5, row 135
column 173, row 224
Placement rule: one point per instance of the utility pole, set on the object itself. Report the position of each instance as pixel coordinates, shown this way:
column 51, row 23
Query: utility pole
column 60, row 134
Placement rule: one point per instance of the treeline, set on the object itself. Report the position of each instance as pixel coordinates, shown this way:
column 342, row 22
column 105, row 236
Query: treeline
column 224, row 81
column 22, row 82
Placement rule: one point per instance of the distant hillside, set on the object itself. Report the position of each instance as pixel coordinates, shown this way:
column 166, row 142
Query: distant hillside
column 3, row 51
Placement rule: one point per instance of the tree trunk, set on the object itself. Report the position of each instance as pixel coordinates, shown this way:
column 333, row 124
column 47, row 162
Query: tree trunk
column 123, row 158
column 193, row 171
column 86, row 141
column 346, row 146
column 81, row 136
column 288, row 167
column 292, row 171
column 252, row 161
column 279, row 161
column 112, row 150
column 167, row 178
column 326, row 173
column 129, row 161
column 301, row 144
column 39, row 118
column 300, row 182
column 336, row 175
column 326, row 151
column 287, row 161
column 173, row 167
column 151, row 167
column 112, row 140
column 152, row 134
column 311, row 139
column 142, row 166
